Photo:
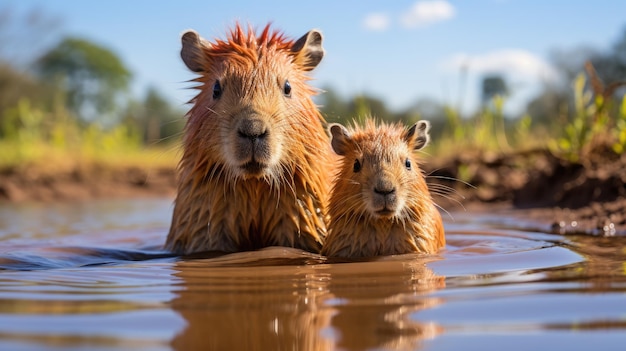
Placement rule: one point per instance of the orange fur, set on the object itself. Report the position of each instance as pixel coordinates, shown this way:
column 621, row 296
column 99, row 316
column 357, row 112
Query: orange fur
column 252, row 172
column 367, row 221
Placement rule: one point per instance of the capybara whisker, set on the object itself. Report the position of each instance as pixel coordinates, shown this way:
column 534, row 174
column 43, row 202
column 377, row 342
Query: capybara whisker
column 452, row 179
column 446, row 211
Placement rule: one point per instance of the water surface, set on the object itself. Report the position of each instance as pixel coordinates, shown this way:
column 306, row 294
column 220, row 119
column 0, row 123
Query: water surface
column 93, row 276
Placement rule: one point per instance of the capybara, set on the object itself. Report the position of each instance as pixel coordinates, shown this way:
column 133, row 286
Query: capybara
column 380, row 203
column 255, row 156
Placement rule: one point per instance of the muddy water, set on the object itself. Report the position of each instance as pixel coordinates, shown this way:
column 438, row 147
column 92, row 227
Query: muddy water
column 91, row 276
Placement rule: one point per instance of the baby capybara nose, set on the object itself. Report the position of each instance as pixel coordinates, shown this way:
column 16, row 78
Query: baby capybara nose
column 252, row 129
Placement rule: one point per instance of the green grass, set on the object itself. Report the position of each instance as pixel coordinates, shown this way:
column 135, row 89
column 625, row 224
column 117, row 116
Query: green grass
column 54, row 140
column 34, row 137
column 595, row 123
column 486, row 131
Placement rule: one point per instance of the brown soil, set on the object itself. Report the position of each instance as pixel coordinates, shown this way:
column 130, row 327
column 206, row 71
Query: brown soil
column 573, row 197
column 84, row 183
column 566, row 197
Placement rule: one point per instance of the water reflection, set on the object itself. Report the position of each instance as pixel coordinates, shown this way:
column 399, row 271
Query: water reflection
column 100, row 281
column 372, row 301
column 269, row 307
column 604, row 267
column 352, row 306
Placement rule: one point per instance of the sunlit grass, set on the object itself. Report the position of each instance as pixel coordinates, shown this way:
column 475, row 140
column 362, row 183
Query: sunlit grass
column 56, row 140
column 53, row 141
column 487, row 131
column 43, row 156
column 595, row 124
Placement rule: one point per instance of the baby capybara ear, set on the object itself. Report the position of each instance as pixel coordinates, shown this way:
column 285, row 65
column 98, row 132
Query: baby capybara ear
column 417, row 136
column 192, row 51
column 308, row 50
column 341, row 139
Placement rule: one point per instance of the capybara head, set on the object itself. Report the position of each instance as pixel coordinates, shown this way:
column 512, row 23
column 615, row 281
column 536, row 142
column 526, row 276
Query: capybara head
column 253, row 93
column 379, row 176
column 380, row 203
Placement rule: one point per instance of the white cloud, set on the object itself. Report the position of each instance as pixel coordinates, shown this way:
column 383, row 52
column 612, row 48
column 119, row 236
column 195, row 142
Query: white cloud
column 376, row 22
column 517, row 64
column 425, row 13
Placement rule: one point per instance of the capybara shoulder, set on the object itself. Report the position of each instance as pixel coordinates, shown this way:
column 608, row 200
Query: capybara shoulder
column 380, row 203
column 255, row 152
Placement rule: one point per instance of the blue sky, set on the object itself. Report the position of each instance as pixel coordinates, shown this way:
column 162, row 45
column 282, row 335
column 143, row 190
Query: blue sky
column 399, row 51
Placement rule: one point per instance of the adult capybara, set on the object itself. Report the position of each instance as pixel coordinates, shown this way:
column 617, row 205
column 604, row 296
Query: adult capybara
column 255, row 153
column 380, row 203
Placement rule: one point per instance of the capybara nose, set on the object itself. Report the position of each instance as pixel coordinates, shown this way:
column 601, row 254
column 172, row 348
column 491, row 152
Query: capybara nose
column 384, row 188
column 252, row 129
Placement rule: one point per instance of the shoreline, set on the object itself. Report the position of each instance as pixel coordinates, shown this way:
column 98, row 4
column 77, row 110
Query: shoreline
column 564, row 197
column 85, row 183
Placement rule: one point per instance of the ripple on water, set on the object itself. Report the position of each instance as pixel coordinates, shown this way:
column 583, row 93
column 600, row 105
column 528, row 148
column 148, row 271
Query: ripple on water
column 112, row 288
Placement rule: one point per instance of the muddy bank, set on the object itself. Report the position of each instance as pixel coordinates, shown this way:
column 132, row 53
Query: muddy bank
column 566, row 197
column 84, row 183
column 573, row 197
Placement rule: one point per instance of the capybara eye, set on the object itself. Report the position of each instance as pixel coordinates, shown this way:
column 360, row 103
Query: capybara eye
column 217, row 90
column 287, row 89
column 407, row 164
column 357, row 166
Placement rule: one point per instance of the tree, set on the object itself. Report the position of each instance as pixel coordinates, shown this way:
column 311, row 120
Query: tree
column 492, row 86
column 333, row 107
column 160, row 120
column 93, row 77
column 367, row 106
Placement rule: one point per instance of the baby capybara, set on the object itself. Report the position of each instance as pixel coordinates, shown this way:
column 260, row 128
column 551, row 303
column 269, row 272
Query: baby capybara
column 380, row 203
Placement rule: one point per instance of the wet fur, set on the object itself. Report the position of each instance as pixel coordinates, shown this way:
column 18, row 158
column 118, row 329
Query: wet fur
column 355, row 229
column 221, row 205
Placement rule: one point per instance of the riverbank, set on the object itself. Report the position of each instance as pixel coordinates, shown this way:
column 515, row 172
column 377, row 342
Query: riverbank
column 587, row 197
column 570, row 197
column 85, row 182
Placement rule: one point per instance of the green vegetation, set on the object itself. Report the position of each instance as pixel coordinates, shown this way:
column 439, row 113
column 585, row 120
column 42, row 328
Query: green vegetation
column 71, row 106
column 56, row 140
column 596, row 122
column 587, row 120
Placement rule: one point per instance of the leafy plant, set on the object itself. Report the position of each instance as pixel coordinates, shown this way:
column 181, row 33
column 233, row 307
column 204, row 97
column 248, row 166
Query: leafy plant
column 595, row 123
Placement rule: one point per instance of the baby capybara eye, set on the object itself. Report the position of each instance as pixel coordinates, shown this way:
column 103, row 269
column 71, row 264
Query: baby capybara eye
column 357, row 166
column 287, row 89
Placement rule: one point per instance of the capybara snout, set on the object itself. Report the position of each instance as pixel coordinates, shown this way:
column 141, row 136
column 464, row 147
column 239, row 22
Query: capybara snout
column 254, row 147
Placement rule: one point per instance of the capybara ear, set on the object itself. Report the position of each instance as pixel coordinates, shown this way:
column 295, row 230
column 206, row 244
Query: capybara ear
column 192, row 52
column 417, row 136
column 308, row 50
column 340, row 138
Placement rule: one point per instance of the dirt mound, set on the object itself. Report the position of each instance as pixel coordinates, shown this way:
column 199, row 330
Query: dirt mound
column 577, row 197
column 571, row 197
column 31, row 184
